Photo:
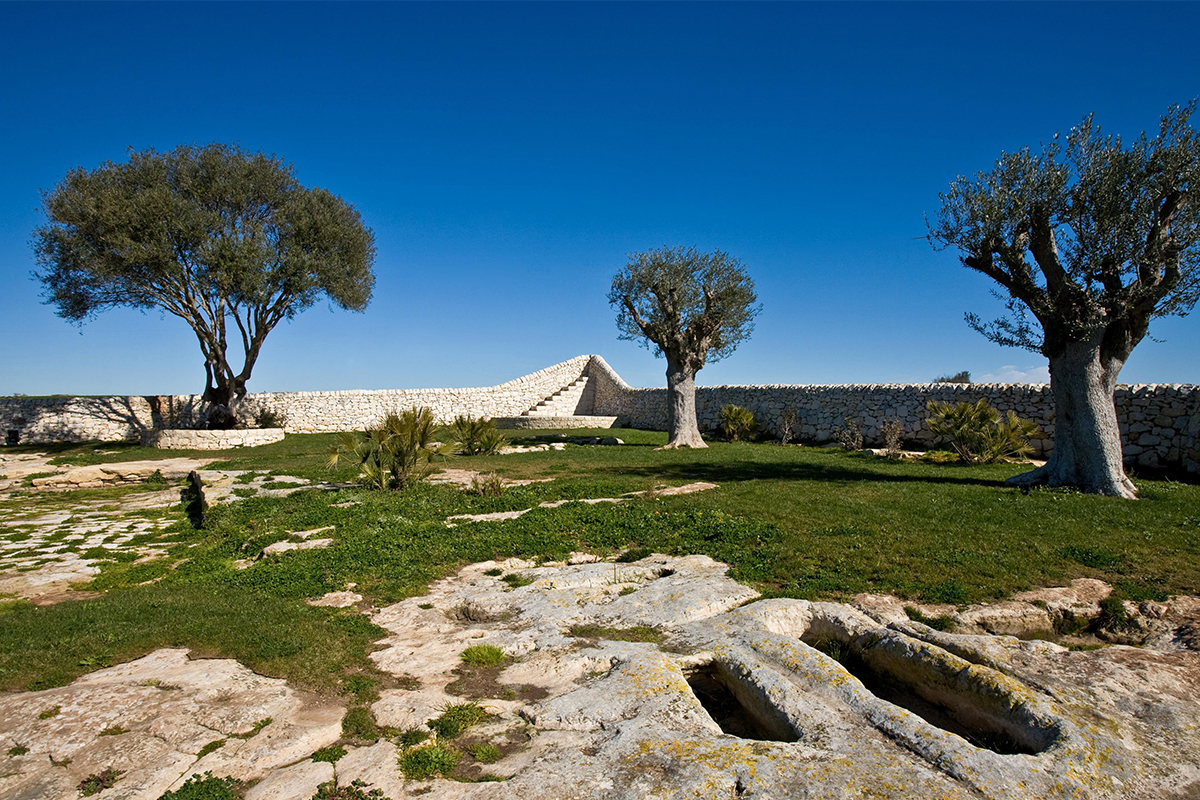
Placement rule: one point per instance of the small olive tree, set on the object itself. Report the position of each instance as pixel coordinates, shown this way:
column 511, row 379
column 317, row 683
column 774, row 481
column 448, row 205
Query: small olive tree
column 690, row 307
column 224, row 239
column 1114, row 236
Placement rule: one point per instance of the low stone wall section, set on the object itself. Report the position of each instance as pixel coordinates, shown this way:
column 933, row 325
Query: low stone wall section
column 211, row 440
column 1160, row 423
column 77, row 419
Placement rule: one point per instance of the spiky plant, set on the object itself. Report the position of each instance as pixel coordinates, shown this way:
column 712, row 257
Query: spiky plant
column 738, row 423
column 477, row 436
column 978, row 433
column 394, row 453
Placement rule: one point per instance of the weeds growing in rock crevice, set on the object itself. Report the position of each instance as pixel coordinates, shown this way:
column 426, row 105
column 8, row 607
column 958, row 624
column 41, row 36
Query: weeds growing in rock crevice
column 206, row 787
column 99, row 781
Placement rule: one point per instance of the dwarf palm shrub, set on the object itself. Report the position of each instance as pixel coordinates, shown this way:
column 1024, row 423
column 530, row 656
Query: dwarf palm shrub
column 737, row 423
column 394, row 453
column 978, row 433
column 477, row 436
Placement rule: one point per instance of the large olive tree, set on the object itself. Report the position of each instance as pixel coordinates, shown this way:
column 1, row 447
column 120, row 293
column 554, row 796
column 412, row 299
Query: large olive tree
column 226, row 240
column 690, row 307
column 1113, row 231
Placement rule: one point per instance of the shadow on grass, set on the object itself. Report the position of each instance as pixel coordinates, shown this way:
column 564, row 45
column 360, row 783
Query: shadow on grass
column 735, row 471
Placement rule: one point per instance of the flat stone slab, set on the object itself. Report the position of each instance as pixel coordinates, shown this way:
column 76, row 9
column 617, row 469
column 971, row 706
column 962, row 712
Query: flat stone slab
column 501, row 516
column 167, row 708
column 549, row 423
column 120, row 473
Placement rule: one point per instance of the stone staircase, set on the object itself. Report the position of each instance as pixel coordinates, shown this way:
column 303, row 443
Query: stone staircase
column 569, row 407
column 574, row 399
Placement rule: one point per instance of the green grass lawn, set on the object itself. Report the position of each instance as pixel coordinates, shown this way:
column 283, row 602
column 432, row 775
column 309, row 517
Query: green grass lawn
column 793, row 521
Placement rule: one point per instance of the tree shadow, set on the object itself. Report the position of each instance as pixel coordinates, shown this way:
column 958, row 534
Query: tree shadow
column 64, row 421
column 744, row 470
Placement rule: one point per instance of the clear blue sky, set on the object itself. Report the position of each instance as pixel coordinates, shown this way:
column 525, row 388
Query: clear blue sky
column 509, row 156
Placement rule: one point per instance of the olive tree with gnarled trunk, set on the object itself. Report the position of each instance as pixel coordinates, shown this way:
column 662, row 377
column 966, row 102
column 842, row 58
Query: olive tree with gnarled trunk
column 226, row 240
column 691, row 308
column 1114, row 236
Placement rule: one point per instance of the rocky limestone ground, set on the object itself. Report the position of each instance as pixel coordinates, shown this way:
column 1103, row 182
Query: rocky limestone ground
column 48, row 545
column 658, row 678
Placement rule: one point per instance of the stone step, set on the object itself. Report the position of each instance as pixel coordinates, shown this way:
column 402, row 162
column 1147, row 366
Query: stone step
column 540, row 422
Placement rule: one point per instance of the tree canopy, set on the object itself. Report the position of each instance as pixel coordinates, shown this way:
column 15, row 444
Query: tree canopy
column 1113, row 231
column 679, row 301
column 225, row 239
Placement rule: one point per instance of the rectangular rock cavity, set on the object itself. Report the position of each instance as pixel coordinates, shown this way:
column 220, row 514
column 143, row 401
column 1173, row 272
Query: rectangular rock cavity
column 936, row 696
column 736, row 707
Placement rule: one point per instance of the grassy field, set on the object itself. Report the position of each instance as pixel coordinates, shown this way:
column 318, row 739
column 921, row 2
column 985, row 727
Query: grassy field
column 793, row 521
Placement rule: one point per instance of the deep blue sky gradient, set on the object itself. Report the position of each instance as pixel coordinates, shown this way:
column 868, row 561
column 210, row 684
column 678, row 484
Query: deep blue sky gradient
column 509, row 156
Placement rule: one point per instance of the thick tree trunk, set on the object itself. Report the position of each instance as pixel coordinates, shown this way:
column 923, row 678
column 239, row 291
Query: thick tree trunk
column 220, row 402
column 682, row 428
column 1087, row 442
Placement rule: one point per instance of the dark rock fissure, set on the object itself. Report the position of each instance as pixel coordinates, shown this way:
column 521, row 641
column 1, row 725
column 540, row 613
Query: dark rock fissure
column 710, row 684
column 956, row 715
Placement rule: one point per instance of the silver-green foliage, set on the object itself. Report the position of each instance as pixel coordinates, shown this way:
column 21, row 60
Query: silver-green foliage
column 225, row 239
column 978, row 433
column 738, row 423
column 394, row 453
column 477, row 436
column 684, row 304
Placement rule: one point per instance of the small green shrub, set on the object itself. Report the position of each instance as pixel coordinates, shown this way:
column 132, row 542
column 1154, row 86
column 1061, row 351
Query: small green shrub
column 978, row 433
column 50, row 712
column 359, row 723
column 393, row 454
column 477, row 436
column 212, row 746
column 738, row 423
column 255, row 730
column 17, row 750
column 941, row 623
column 456, row 718
column 421, row 763
column 205, row 787
column 490, row 485
column 355, row 791
column 958, row 377
column 113, row 730
column 516, row 580
column 494, row 572
column 634, row 554
column 483, row 655
column 850, row 437
column 269, row 418
column 893, row 438
column 789, row 423
column 484, row 753
column 1113, row 616
column 329, row 754
column 99, row 781
column 412, row 737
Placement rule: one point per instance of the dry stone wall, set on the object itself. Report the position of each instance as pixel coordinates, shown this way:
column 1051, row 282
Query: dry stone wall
column 76, row 419
column 211, row 440
column 1160, row 423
